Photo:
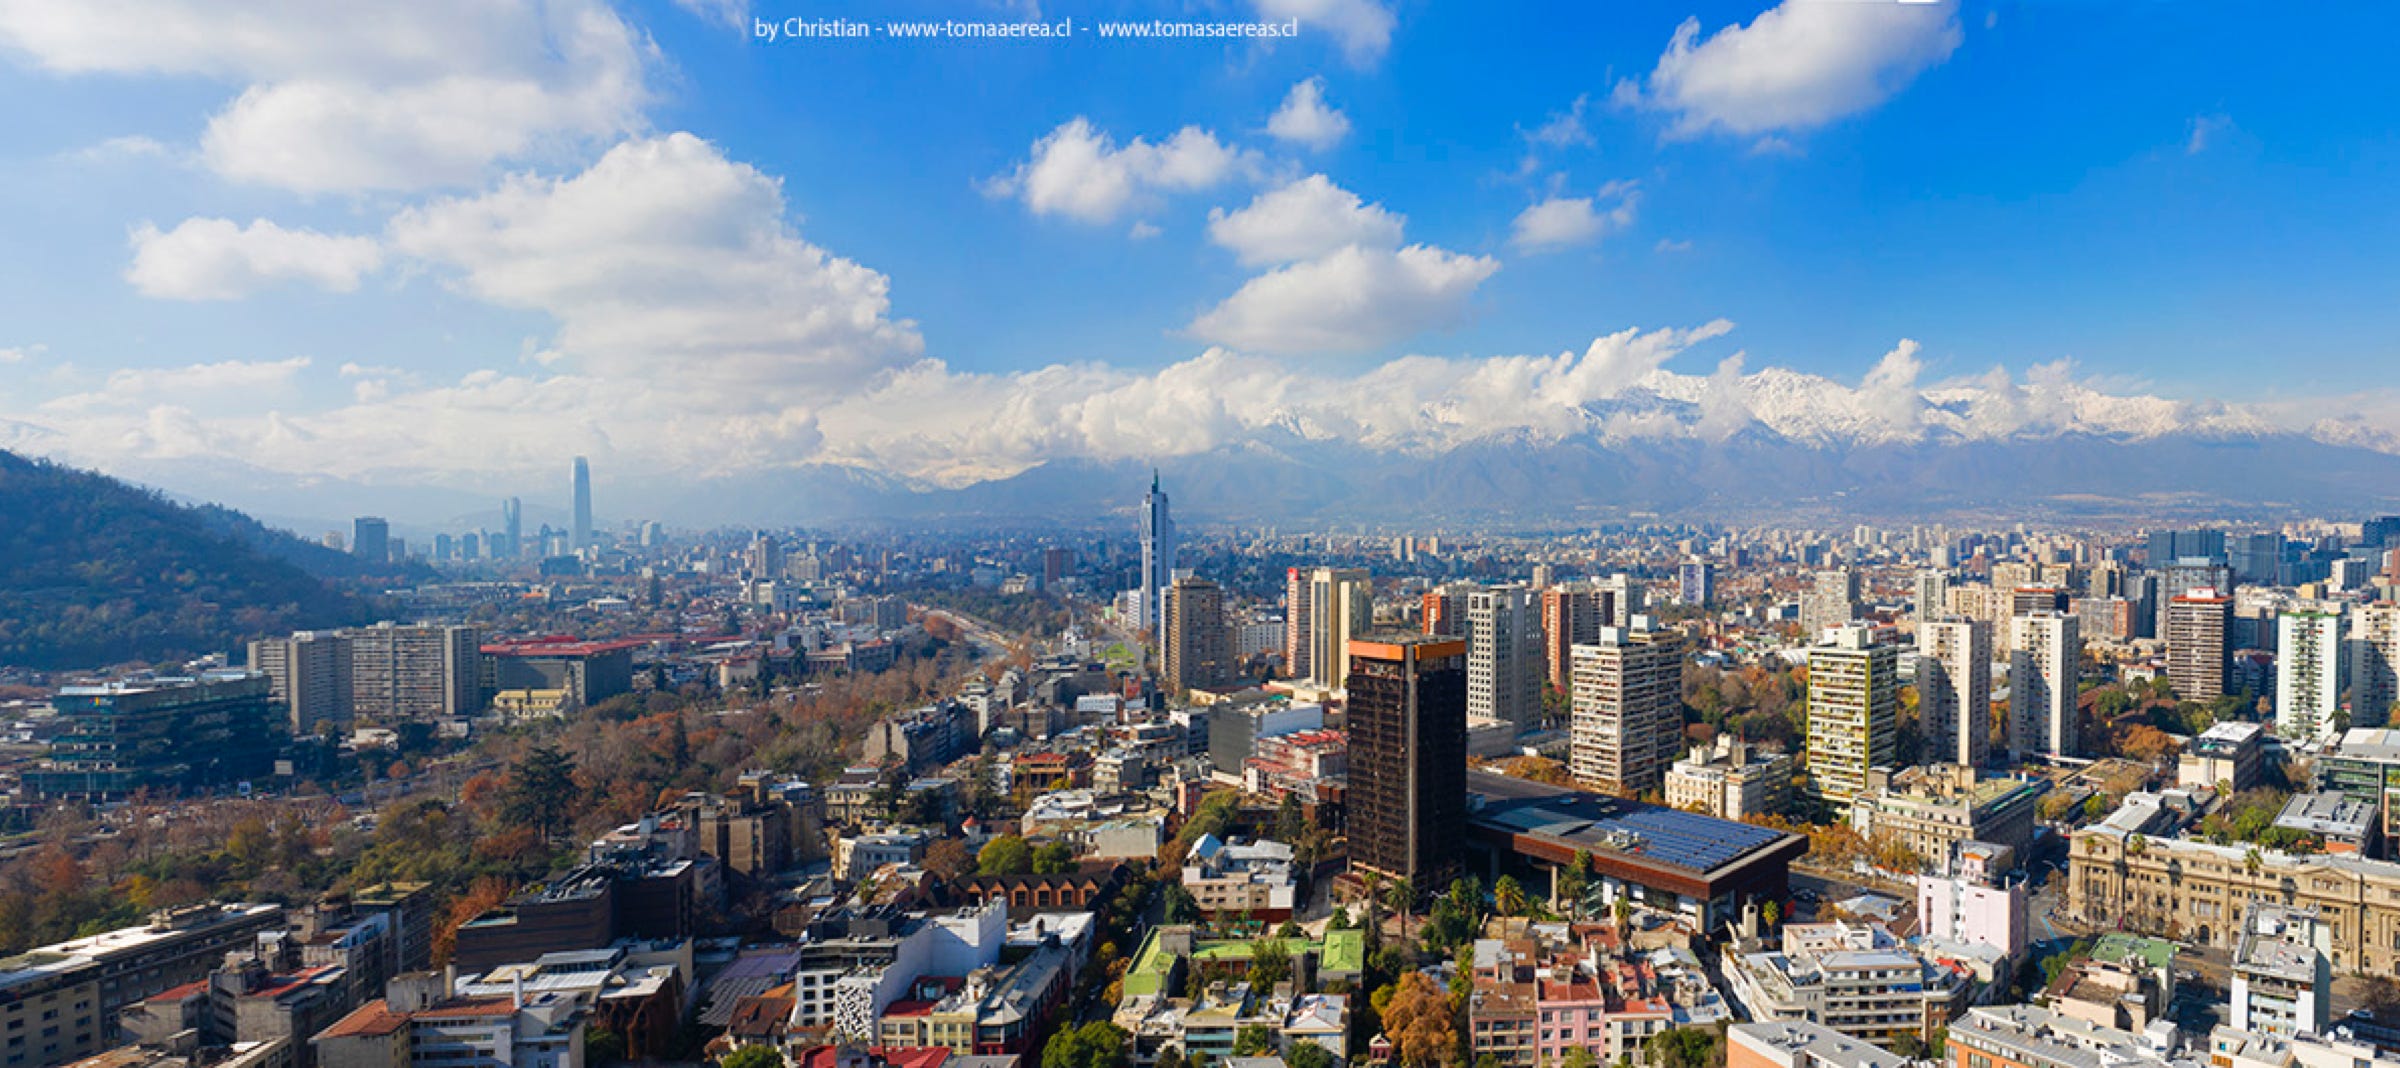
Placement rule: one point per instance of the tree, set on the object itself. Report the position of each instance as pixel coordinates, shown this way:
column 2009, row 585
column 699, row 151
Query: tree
column 1508, row 897
column 1771, row 914
column 602, row 1046
column 1423, row 1030
column 1290, row 822
column 1401, row 897
column 1309, row 1055
column 1575, row 880
column 541, row 792
column 1005, row 855
column 1098, row 1044
column 753, row 1057
column 485, row 894
column 1270, row 963
column 1579, row 1057
column 949, row 860
column 1179, row 904
column 1054, row 858
column 1252, row 1040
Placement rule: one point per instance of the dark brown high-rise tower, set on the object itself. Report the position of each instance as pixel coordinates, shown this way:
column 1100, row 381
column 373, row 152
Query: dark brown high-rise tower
column 1407, row 715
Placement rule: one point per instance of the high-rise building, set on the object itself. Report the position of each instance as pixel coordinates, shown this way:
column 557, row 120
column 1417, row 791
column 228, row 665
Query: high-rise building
column 1933, row 594
column 1853, row 710
column 1341, row 605
column 309, row 673
column 1158, row 557
column 2044, row 669
column 1198, row 654
column 1298, row 639
column 1504, row 655
column 158, row 734
column 1573, row 615
column 1628, row 708
column 2310, row 671
column 1444, row 610
column 2256, row 559
column 422, row 673
column 2374, row 664
column 371, row 539
column 1696, row 583
column 2196, row 653
column 1831, row 601
column 512, row 534
column 1407, row 716
column 1954, row 689
column 582, row 534
column 764, row 558
column 2171, row 545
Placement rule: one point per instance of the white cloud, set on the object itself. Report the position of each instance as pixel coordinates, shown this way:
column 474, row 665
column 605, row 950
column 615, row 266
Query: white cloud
column 1565, row 222
column 1352, row 300
column 1079, row 172
column 1363, row 28
column 665, row 261
column 733, row 14
column 1890, row 391
column 243, row 386
column 22, row 353
column 332, row 97
column 1302, row 220
column 119, row 150
column 1143, row 230
column 1564, row 129
column 1671, row 245
column 1800, row 65
column 2204, row 132
column 215, row 259
column 1305, row 118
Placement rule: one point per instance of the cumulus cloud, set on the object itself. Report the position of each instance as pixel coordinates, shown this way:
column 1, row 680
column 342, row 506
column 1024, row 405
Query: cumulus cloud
column 119, row 150
column 1798, row 66
column 21, row 353
column 215, row 259
column 1889, row 391
column 1363, row 28
column 1305, row 118
column 1302, row 220
column 246, row 386
column 331, row 98
column 1565, row 222
column 666, row 261
column 1079, row 172
column 1354, row 299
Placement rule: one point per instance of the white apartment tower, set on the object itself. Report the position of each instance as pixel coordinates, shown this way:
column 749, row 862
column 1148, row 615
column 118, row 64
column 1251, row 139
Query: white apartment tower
column 1628, row 710
column 2308, row 671
column 1831, row 601
column 2043, row 713
column 1954, row 689
column 1504, row 655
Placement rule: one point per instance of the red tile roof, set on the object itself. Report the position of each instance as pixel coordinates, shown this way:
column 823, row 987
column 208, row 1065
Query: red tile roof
column 373, row 1019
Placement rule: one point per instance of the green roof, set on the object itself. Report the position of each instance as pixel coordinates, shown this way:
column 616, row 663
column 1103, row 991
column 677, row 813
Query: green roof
column 1237, row 950
column 1345, row 951
column 2153, row 952
column 1148, row 975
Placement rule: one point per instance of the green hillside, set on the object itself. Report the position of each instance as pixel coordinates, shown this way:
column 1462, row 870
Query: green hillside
column 94, row 572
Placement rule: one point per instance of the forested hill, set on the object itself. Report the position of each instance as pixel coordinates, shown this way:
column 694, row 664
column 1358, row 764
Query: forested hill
column 94, row 572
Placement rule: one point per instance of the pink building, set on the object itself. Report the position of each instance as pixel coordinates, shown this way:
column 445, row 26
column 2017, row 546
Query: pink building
column 1960, row 909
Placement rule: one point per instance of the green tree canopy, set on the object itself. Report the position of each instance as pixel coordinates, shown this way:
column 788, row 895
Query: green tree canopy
column 1005, row 855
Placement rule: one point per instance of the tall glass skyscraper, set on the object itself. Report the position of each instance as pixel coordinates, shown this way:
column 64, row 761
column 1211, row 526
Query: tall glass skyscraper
column 1158, row 558
column 583, row 504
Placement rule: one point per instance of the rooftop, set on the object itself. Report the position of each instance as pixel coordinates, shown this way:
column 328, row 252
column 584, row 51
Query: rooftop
column 2327, row 815
column 1576, row 820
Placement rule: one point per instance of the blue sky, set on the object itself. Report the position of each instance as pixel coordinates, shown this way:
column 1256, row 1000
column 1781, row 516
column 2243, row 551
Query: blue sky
column 456, row 246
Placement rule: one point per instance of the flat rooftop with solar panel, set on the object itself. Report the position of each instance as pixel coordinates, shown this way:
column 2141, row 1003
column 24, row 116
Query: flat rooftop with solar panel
column 1700, row 868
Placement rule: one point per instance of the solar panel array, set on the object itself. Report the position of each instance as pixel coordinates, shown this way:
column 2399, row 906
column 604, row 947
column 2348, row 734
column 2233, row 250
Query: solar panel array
column 1689, row 840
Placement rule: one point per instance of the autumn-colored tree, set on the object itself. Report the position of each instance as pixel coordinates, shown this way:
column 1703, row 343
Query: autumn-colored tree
column 1419, row 1021
column 949, row 860
column 484, row 895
